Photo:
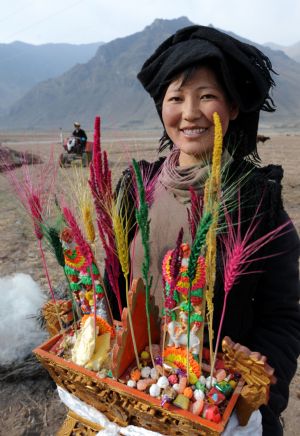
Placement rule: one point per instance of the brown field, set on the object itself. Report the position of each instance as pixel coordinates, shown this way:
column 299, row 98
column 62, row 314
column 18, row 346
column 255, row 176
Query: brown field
column 32, row 407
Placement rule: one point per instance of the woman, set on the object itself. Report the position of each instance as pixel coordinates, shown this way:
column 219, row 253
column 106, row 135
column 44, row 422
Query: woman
column 194, row 73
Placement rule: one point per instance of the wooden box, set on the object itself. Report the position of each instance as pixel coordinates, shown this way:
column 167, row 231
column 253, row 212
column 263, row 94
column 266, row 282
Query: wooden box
column 125, row 405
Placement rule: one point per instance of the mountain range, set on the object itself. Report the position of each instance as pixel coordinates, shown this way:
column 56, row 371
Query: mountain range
column 24, row 65
column 107, row 85
column 293, row 51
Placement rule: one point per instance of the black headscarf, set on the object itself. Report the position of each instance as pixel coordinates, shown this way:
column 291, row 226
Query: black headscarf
column 245, row 71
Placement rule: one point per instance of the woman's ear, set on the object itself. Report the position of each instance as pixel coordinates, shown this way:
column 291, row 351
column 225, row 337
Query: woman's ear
column 234, row 111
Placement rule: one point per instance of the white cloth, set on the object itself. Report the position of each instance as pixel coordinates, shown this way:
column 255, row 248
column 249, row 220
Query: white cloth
column 90, row 413
column 253, row 428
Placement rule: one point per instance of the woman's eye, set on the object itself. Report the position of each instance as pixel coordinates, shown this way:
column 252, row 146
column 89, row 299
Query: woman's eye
column 208, row 97
column 174, row 98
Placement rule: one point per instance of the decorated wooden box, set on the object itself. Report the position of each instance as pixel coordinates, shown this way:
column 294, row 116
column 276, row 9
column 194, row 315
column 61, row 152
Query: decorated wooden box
column 129, row 406
column 125, row 405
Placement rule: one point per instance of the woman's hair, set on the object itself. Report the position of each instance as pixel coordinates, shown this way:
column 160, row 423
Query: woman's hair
column 243, row 71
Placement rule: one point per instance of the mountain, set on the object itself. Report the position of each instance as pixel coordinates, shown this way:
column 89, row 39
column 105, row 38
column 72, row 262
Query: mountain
column 107, row 85
column 286, row 93
column 24, row 65
column 293, row 51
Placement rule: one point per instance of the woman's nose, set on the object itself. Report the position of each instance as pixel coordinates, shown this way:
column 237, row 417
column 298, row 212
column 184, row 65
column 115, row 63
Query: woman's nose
column 191, row 109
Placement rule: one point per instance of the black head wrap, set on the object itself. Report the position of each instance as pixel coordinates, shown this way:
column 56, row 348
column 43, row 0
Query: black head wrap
column 245, row 71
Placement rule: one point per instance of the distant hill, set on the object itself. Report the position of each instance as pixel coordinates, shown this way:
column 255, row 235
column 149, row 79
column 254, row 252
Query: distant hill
column 107, row 85
column 286, row 94
column 24, row 65
column 293, row 51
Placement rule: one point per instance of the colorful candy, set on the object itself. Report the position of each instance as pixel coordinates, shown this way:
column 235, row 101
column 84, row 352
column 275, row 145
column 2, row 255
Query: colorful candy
column 197, row 407
column 215, row 396
column 154, row 390
column 211, row 412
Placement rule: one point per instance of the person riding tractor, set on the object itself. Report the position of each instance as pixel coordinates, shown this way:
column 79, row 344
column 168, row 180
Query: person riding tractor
column 76, row 147
column 76, row 144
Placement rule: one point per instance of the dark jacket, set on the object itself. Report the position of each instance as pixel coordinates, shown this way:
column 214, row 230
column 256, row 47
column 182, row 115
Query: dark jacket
column 263, row 308
column 80, row 133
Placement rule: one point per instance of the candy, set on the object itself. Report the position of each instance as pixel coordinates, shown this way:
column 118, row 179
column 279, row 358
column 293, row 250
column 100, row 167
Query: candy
column 145, row 355
column 210, row 381
column 188, row 392
column 154, row 390
column 146, row 371
column 197, row 407
column 202, row 380
column 182, row 384
column 144, row 383
column 211, row 412
column 154, row 373
column 199, row 395
column 200, row 386
column 135, row 374
column 215, row 396
column 163, row 382
column 176, row 387
column 173, row 379
column 233, row 384
column 220, row 375
column 225, row 388
column 182, row 402
column 131, row 383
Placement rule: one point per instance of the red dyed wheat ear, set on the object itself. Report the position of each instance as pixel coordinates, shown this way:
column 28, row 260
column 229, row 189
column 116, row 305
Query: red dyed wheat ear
column 101, row 188
column 238, row 254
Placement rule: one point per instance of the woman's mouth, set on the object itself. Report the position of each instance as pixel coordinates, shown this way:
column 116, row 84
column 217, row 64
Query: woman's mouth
column 194, row 131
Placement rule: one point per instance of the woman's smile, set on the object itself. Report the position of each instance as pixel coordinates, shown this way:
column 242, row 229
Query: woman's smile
column 194, row 131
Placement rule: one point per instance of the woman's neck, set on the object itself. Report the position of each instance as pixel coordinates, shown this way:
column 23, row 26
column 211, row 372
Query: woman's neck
column 188, row 160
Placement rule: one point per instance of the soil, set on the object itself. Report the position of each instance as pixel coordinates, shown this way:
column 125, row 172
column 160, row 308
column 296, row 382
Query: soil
column 29, row 404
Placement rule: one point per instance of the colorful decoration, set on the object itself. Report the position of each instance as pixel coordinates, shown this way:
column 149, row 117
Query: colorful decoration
column 78, row 272
column 177, row 307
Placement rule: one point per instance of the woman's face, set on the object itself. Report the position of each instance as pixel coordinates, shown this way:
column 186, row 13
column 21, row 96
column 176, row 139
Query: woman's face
column 187, row 113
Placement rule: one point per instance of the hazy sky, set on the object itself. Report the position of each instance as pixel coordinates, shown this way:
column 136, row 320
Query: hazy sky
column 84, row 21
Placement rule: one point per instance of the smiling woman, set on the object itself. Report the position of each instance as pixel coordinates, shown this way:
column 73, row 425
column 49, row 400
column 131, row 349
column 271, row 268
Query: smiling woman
column 197, row 76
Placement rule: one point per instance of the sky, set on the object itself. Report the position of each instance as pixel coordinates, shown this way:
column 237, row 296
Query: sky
column 86, row 21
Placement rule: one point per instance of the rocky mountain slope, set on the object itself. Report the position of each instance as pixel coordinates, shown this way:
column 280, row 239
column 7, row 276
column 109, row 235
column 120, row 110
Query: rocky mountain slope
column 24, row 65
column 107, row 85
column 293, row 51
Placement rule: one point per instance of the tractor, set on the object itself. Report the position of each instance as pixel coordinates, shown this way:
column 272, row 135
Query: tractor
column 76, row 152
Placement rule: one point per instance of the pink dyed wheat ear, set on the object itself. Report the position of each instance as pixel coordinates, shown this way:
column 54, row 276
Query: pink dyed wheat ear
column 35, row 193
column 34, row 189
column 238, row 253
